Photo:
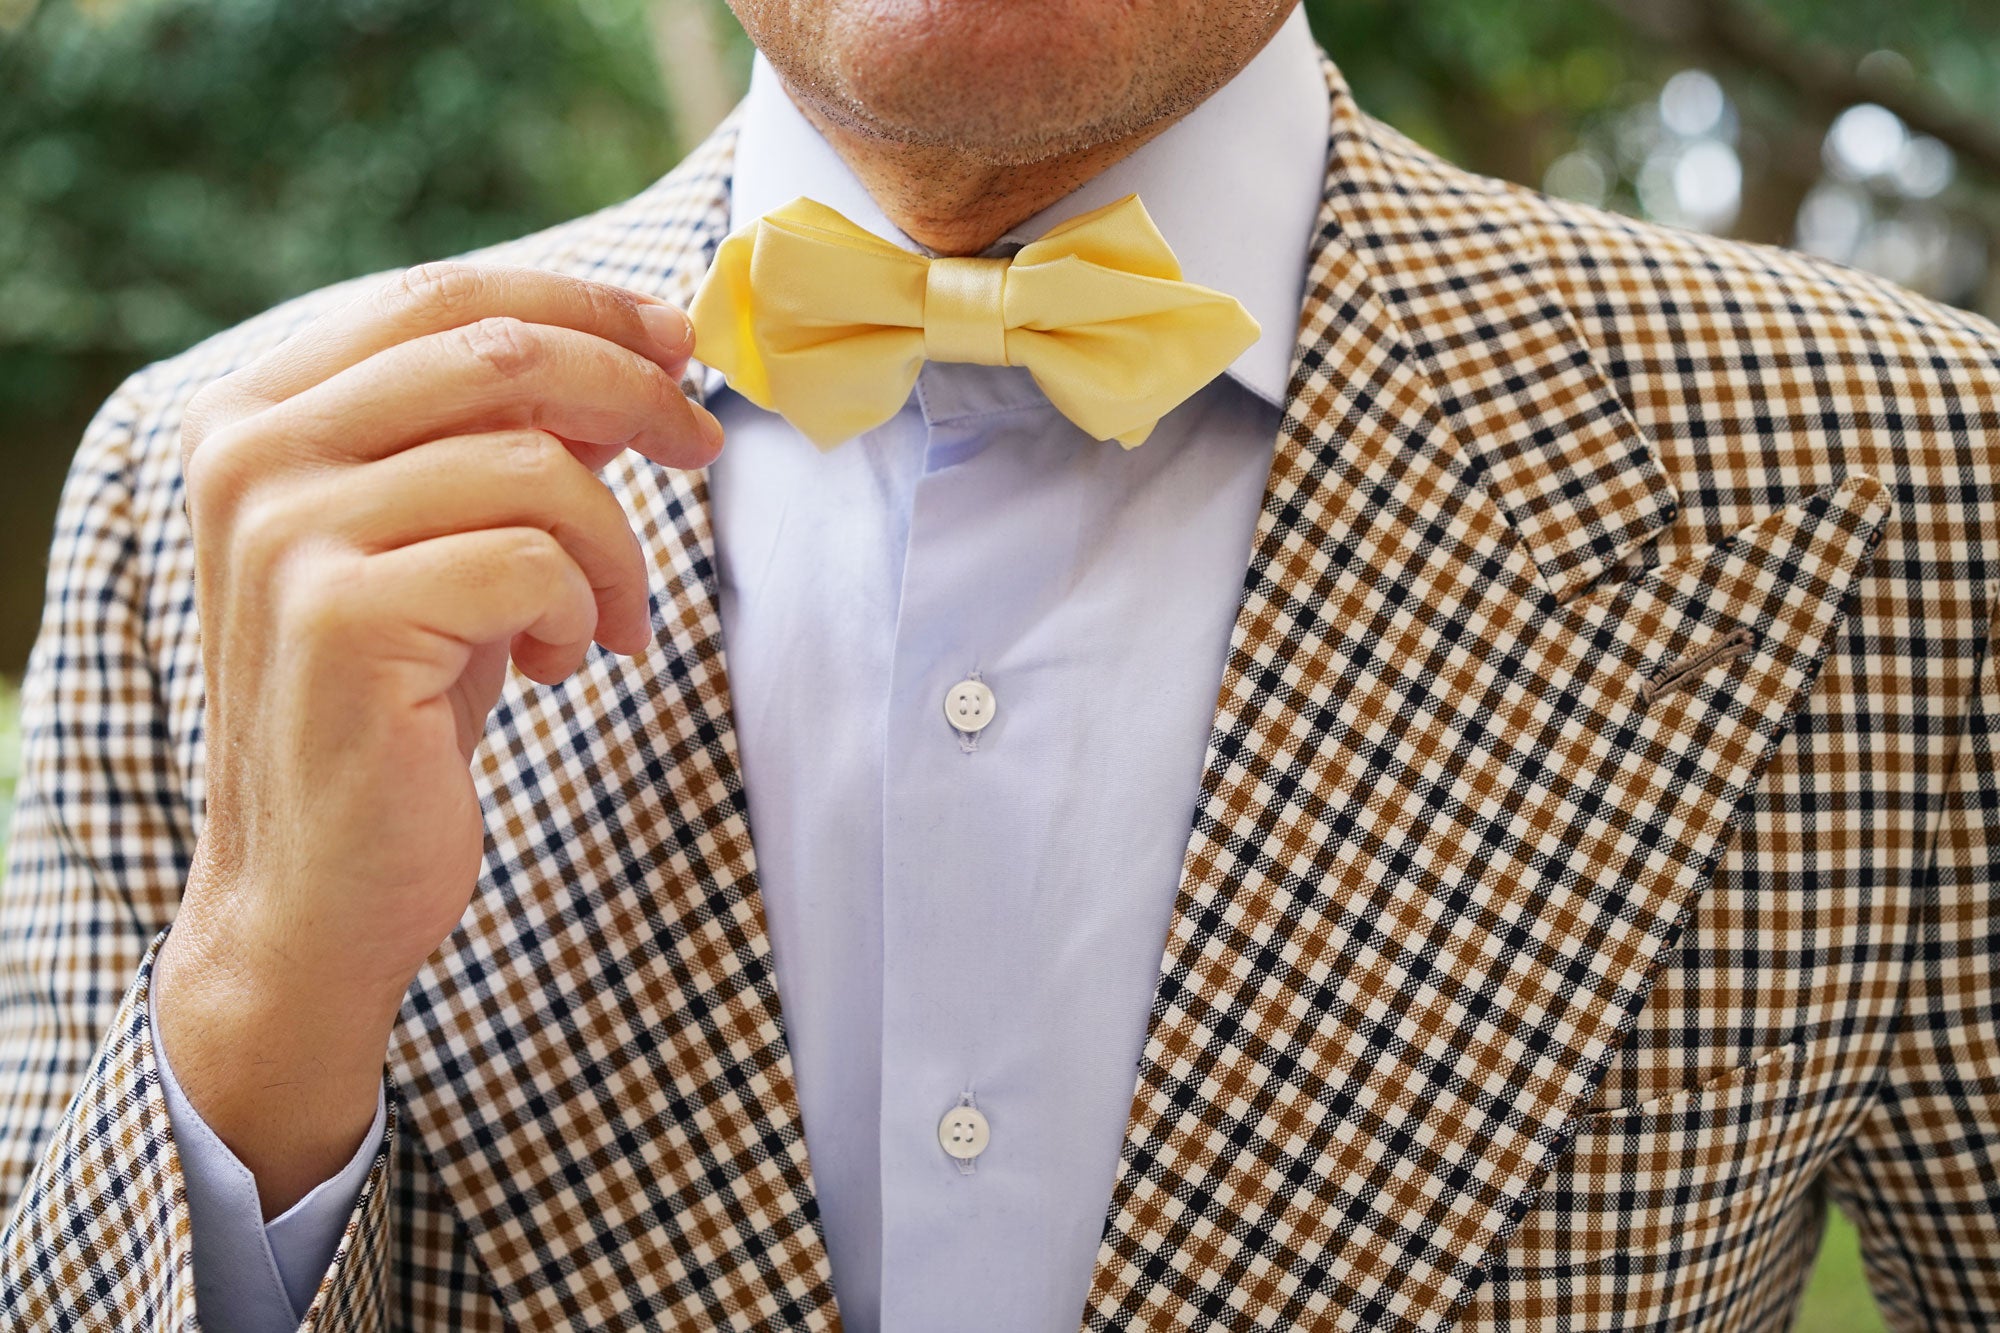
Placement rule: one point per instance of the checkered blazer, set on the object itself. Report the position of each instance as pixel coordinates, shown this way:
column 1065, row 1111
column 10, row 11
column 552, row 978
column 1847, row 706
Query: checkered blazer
column 1593, row 869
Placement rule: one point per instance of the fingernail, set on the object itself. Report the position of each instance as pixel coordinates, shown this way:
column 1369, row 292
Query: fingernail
column 709, row 426
column 669, row 328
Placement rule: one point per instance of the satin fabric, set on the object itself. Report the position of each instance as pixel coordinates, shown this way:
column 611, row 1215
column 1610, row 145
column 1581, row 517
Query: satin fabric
column 811, row 317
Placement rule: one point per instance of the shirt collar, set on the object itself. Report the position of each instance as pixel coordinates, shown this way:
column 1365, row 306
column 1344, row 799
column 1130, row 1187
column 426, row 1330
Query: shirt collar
column 1235, row 187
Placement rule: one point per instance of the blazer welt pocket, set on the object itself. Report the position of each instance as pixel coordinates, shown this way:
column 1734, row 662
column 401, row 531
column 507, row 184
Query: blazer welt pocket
column 1674, row 1178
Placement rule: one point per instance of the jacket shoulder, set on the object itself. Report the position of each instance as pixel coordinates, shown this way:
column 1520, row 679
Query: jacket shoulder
column 1795, row 311
column 1612, row 268
column 1753, row 371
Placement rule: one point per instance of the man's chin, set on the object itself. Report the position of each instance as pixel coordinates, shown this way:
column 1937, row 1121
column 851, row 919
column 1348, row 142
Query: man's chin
column 1005, row 82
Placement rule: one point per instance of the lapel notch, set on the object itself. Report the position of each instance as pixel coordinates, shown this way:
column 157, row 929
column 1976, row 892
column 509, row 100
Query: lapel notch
column 1522, row 391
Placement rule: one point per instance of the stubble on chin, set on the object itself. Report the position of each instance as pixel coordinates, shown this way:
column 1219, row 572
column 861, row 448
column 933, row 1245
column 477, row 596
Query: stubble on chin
column 1004, row 83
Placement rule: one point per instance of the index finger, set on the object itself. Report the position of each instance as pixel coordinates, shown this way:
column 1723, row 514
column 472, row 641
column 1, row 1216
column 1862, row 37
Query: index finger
column 433, row 298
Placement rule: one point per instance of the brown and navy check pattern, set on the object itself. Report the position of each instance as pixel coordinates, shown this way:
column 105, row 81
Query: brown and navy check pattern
column 1502, row 992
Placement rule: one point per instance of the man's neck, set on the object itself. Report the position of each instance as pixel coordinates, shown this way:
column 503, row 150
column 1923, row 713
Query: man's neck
column 952, row 203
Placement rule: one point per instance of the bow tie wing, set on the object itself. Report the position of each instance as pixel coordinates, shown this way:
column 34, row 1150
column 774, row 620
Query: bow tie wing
column 1112, row 336
column 1120, row 236
column 809, row 316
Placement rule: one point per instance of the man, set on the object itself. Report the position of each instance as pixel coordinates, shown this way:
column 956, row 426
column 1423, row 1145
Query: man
column 1542, row 693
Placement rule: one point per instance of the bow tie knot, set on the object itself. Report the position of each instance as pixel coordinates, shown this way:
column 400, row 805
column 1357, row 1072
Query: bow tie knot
column 965, row 311
column 810, row 316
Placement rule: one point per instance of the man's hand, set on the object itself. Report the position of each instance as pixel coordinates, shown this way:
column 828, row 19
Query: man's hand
column 385, row 508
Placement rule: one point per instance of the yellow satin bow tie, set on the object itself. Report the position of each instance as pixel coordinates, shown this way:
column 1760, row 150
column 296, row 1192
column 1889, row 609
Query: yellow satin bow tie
column 811, row 317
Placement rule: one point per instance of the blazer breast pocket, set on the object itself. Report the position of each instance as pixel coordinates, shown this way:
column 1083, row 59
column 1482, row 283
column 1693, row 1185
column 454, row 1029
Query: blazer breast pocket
column 1653, row 1206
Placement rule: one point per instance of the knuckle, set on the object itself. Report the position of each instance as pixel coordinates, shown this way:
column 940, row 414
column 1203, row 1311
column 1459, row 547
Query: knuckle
column 535, row 457
column 265, row 527
column 505, row 346
column 219, row 470
column 539, row 562
column 608, row 305
column 446, row 289
column 539, row 554
column 212, row 407
column 323, row 609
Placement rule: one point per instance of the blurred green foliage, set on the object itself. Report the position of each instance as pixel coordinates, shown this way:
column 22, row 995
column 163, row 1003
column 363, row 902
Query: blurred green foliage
column 168, row 166
column 1510, row 86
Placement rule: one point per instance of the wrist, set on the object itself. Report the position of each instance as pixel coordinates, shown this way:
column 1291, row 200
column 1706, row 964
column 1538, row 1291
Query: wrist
column 264, row 952
column 282, row 1065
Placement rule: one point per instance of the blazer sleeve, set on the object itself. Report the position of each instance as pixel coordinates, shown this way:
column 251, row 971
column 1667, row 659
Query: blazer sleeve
column 97, row 1233
column 1922, row 1177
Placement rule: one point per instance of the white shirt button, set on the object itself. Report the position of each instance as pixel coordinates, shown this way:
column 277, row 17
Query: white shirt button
column 969, row 705
column 964, row 1132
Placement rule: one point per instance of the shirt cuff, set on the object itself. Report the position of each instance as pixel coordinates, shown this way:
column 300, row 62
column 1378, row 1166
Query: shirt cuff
column 251, row 1276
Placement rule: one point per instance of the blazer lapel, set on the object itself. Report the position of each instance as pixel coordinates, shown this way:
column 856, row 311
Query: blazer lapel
column 1524, row 398
column 1453, row 814
column 595, row 1063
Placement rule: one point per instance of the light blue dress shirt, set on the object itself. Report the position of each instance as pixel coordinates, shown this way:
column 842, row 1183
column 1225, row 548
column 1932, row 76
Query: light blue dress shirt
column 959, row 917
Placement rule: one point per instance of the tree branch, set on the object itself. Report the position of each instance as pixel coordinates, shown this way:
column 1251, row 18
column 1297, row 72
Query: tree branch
column 1735, row 34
